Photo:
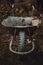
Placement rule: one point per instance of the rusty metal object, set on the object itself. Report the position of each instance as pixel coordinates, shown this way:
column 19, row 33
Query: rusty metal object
column 21, row 23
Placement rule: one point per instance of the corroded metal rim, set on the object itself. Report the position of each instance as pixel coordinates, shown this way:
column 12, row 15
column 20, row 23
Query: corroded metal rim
column 12, row 21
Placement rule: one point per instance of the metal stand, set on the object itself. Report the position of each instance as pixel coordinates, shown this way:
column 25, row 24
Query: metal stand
column 22, row 45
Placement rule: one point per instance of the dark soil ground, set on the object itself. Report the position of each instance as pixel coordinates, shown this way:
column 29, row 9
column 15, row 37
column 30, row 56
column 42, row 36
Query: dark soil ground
column 8, row 58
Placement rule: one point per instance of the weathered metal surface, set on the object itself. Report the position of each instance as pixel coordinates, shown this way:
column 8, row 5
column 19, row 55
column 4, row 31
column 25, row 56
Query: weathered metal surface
column 8, row 58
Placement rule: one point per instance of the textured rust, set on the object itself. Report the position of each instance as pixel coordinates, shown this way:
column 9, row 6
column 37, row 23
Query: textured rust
column 7, row 57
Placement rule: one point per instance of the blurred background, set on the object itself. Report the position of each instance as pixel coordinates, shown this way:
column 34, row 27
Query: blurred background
column 20, row 8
